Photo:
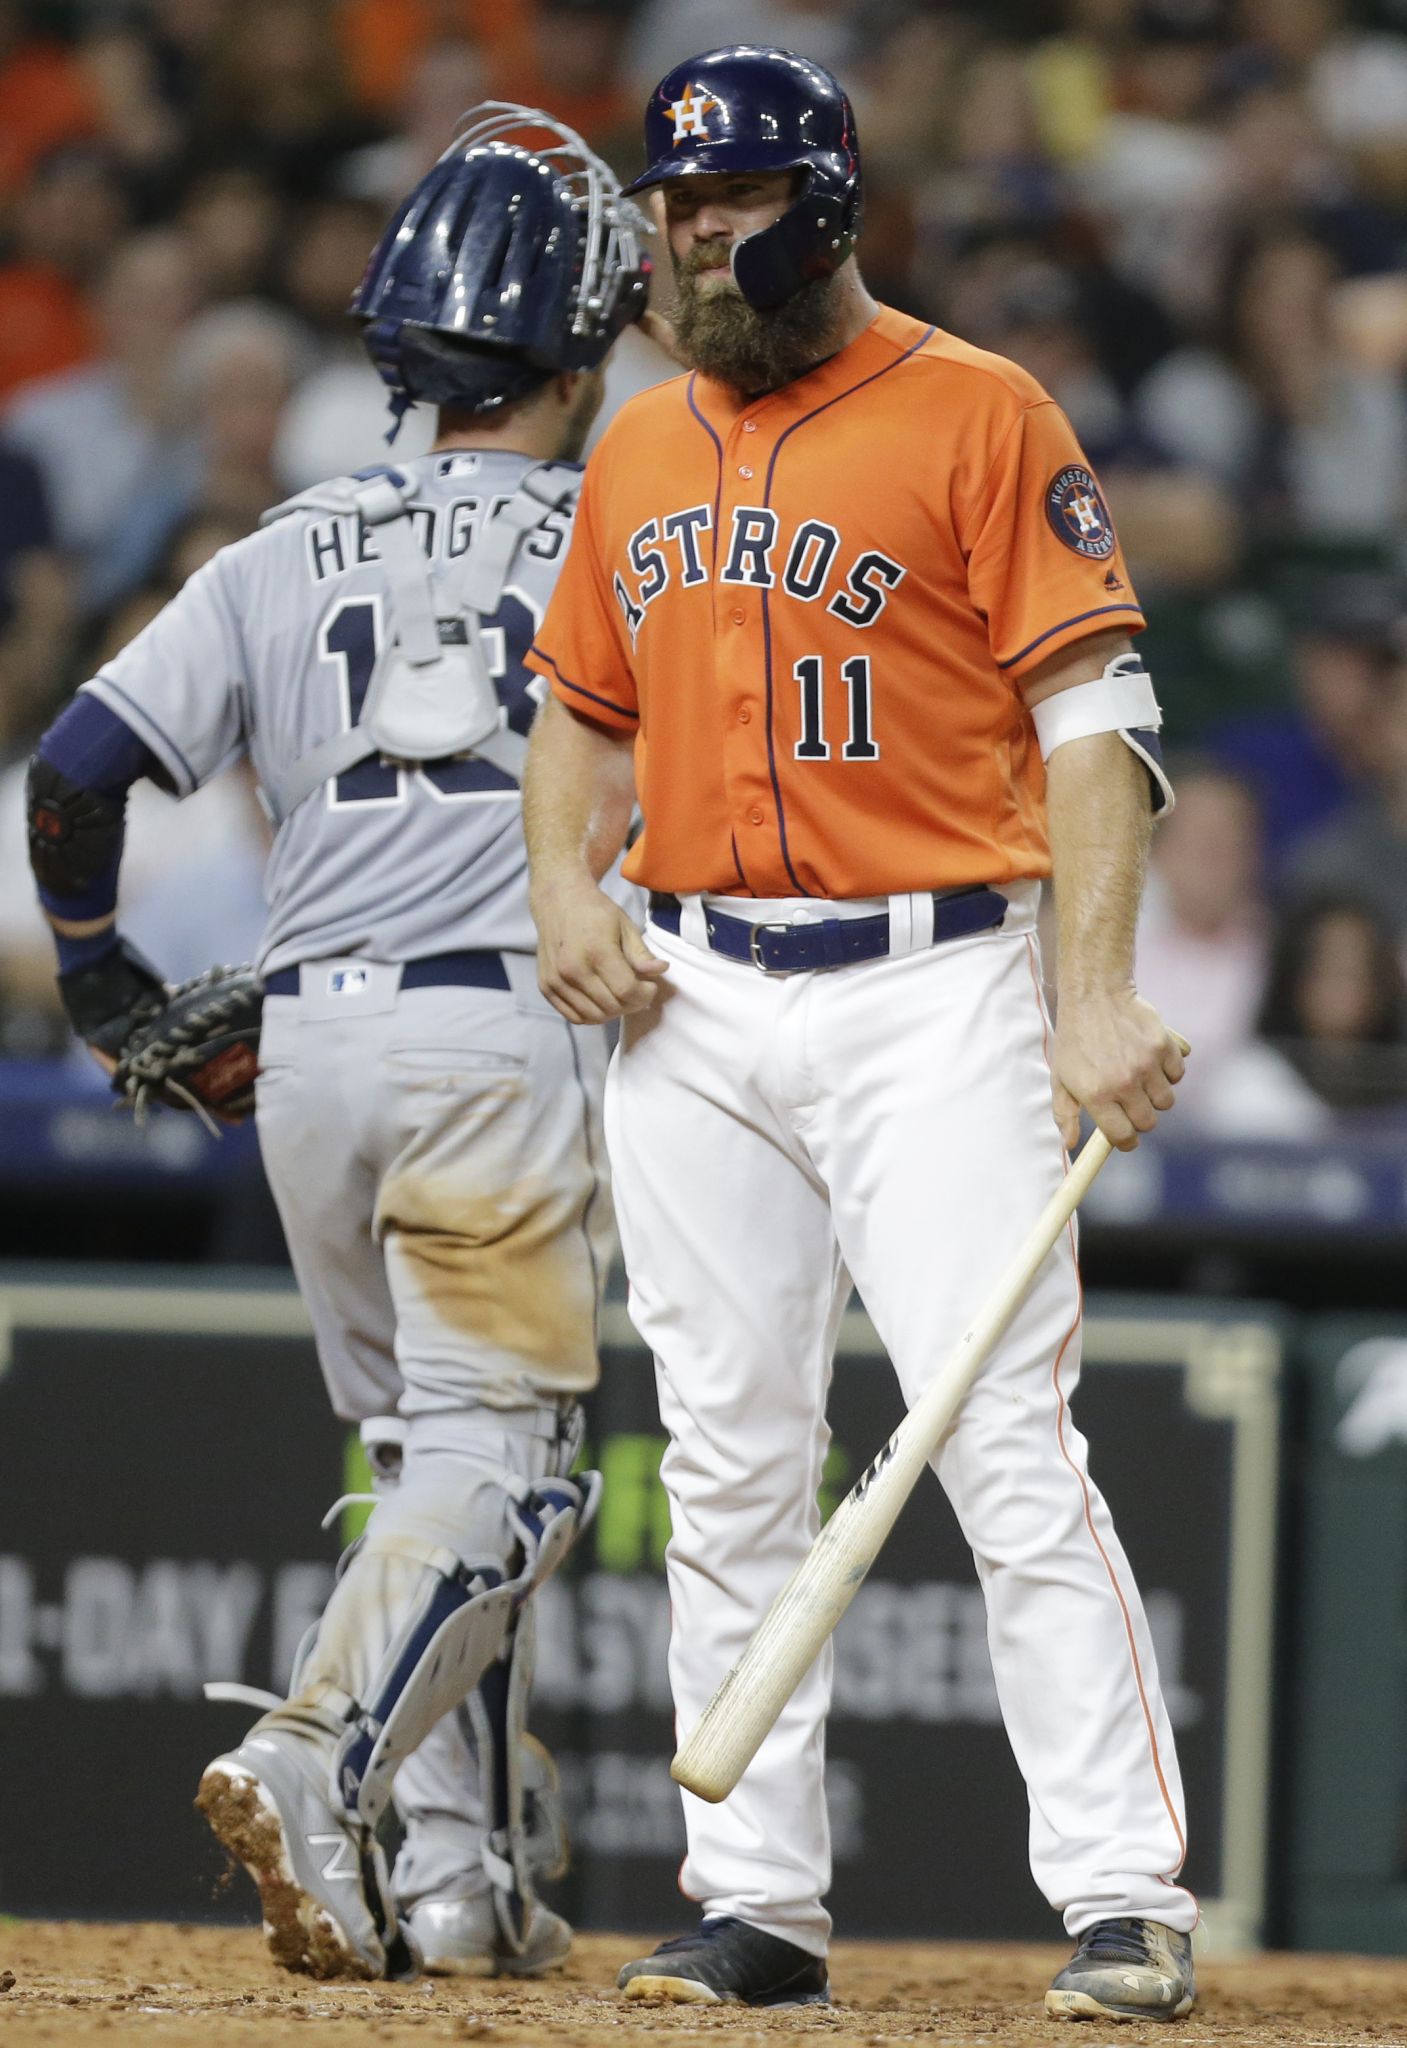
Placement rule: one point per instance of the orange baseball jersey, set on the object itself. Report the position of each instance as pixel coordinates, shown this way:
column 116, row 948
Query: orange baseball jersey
column 814, row 609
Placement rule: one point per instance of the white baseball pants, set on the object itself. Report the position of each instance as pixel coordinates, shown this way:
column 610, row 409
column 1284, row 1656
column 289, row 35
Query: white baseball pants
column 771, row 1138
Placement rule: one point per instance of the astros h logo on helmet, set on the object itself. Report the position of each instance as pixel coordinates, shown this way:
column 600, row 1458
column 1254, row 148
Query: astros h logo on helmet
column 691, row 112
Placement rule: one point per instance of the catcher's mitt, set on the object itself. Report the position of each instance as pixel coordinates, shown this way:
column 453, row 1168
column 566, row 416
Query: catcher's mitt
column 200, row 1050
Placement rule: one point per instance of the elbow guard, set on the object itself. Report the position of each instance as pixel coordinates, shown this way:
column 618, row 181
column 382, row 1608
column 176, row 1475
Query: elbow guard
column 75, row 842
column 1122, row 701
column 77, row 794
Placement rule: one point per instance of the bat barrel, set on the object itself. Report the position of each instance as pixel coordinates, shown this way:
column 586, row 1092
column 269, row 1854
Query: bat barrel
column 741, row 1714
column 734, row 1725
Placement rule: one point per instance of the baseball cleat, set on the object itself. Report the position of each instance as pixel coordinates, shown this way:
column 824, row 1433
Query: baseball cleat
column 324, row 1895
column 1126, row 1970
column 462, row 1938
column 726, row 1962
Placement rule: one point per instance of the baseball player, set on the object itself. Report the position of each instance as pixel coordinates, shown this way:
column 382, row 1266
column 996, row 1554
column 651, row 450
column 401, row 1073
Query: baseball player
column 846, row 607
column 429, row 1125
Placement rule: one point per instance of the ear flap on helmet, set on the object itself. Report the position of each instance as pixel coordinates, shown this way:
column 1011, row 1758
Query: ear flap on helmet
column 811, row 240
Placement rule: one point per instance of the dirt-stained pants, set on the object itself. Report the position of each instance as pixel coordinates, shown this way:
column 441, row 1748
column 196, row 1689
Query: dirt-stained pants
column 437, row 1160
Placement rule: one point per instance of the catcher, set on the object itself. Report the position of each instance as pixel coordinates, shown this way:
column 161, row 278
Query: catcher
column 429, row 1126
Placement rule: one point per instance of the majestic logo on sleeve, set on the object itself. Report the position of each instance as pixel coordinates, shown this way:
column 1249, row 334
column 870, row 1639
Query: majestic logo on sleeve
column 1078, row 514
column 691, row 113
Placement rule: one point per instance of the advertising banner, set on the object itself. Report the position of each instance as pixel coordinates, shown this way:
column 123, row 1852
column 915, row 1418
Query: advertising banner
column 169, row 1457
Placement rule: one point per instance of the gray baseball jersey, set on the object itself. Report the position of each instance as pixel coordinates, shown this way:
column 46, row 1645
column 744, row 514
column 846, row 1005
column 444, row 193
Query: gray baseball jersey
column 269, row 650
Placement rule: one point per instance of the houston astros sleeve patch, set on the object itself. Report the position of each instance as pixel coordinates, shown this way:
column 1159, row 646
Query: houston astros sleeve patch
column 1078, row 515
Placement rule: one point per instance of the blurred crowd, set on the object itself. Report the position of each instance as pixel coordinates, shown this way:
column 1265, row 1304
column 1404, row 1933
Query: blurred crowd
column 1188, row 218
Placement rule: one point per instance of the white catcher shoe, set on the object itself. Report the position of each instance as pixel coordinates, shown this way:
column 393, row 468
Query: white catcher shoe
column 323, row 1885
column 462, row 1938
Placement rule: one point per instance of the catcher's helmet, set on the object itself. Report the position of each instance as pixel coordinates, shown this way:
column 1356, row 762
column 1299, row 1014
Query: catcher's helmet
column 748, row 108
column 514, row 257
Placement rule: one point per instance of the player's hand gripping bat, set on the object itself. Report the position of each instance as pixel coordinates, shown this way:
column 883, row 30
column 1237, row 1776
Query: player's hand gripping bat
column 734, row 1724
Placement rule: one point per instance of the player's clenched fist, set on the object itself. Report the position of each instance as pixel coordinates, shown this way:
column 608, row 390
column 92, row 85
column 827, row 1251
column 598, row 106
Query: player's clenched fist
column 1115, row 1058
column 593, row 963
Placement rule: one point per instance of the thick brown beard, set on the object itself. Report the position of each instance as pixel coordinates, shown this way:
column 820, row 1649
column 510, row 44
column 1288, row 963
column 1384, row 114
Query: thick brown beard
column 718, row 332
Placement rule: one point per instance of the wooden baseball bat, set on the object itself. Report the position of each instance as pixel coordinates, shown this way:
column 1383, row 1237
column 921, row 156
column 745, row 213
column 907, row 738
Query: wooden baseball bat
column 734, row 1724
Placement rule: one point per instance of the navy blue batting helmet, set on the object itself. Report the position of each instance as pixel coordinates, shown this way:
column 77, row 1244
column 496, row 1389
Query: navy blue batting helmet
column 514, row 257
column 750, row 108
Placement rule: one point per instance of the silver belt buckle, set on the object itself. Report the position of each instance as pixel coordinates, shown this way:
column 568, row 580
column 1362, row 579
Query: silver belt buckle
column 754, row 948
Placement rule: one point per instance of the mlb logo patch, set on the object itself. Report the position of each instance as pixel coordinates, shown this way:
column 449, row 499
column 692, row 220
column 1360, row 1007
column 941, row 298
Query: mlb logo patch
column 1078, row 514
column 348, row 981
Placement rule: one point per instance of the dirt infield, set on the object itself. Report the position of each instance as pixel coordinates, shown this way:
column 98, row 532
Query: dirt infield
column 185, row 1987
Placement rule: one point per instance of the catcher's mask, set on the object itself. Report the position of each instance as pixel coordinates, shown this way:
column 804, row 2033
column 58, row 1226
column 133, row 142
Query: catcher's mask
column 514, row 257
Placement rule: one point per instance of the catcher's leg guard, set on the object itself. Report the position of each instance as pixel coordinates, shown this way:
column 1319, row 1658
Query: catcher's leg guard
column 451, row 1639
column 482, row 1811
column 478, row 1773
column 527, row 1835
column 428, row 1602
column 438, row 1798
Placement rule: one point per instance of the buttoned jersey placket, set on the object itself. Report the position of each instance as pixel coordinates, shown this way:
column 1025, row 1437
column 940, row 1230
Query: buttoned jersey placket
column 740, row 664
column 775, row 444
column 744, row 672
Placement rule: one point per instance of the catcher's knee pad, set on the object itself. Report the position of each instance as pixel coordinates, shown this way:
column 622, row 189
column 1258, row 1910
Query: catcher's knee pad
column 453, row 1618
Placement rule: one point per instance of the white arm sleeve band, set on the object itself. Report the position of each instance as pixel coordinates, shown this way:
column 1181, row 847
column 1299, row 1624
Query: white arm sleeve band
column 1122, row 701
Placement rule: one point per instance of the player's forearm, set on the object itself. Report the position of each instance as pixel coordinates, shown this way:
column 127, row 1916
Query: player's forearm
column 578, row 797
column 1099, row 815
